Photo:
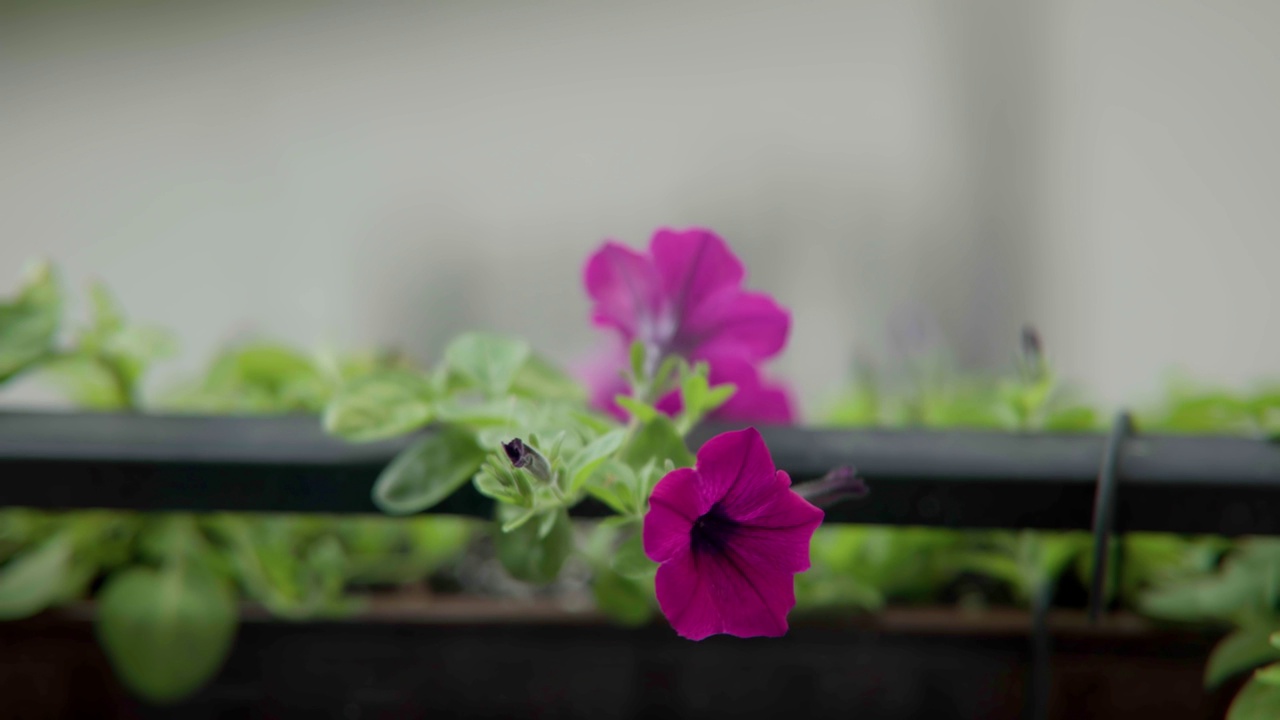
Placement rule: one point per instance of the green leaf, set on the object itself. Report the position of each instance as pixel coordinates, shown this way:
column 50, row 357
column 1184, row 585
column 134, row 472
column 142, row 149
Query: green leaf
column 630, row 561
column 658, row 440
column 1242, row 650
column 641, row 411
column 428, row 471
column 1217, row 597
column 379, row 406
column 519, row 520
column 693, row 390
column 1072, row 419
column 1256, row 701
column 638, row 357
column 107, row 318
column 499, row 486
column 528, row 557
column 135, row 347
column 625, row 600
column 86, row 381
column 34, row 580
column 29, row 323
column 1269, row 674
column 489, row 362
column 542, row 380
column 591, row 457
column 717, row 396
column 166, row 631
column 616, row 485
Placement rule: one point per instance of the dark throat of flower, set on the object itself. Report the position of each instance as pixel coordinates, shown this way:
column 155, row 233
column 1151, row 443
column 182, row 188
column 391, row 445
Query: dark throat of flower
column 712, row 531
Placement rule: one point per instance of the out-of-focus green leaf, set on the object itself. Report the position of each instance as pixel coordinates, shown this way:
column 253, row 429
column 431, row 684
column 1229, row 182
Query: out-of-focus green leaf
column 528, row 557
column 1242, row 650
column 29, row 322
column 591, row 457
column 35, row 579
column 1256, row 701
column 428, row 471
column 87, row 382
column 379, row 406
column 630, row 560
column 628, row 601
column 540, row 379
column 166, row 630
column 489, row 362
column 659, row 441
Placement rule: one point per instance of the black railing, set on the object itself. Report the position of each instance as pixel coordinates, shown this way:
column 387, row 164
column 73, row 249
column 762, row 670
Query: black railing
column 958, row 479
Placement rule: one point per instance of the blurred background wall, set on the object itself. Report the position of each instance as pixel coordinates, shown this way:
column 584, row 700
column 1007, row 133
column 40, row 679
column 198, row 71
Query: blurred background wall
column 391, row 172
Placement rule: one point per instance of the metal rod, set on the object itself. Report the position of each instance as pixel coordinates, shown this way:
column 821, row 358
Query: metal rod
column 957, row 479
column 1104, row 510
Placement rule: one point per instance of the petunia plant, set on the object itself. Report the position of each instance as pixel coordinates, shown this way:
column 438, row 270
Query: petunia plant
column 716, row 538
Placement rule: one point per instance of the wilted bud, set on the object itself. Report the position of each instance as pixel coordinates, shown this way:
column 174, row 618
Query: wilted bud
column 1032, row 349
column 1033, row 360
column 524, row 457
column 836, row 486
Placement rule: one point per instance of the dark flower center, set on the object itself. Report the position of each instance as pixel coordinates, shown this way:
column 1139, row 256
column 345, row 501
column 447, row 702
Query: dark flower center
column 712, row 531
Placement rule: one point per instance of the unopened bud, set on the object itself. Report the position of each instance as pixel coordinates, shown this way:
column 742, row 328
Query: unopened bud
column 836, row 486
column 1033, row 361
column 526, row 458
column 1030, row 342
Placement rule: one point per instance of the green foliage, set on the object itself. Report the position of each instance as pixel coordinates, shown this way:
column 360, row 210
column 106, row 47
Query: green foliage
column 167, row 609
column 428, row 471
column 167, row 629
column 34, row 579
column 29, row 322
column 1257, row 700
column 536, row 548
column 256, row 378
column 489, row 363
column 381, row 405
column 1244, row 649
column 622, row 581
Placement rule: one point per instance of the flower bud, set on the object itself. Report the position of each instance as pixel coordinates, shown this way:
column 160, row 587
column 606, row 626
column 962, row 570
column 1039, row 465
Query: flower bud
column 1032, row 356
column 836, row 486
column 525, row 457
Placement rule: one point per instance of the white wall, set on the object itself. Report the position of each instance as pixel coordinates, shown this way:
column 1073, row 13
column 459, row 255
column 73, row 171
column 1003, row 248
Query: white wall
column 395, row 172
column 1158, row 240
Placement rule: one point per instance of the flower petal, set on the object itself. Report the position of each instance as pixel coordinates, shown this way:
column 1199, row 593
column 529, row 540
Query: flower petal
column 693, row 265
column 759, row 402
column 707, row 593
column 780, row 510
column 782, row 543
column 737, row 472
column 734, row 323
column 674, row 505
column 625, row 287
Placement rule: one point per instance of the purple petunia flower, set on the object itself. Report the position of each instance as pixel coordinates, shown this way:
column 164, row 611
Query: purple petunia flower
column 729, row 535
column 685, row 297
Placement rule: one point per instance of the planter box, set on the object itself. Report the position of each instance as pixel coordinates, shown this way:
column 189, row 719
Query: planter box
column 459, row 657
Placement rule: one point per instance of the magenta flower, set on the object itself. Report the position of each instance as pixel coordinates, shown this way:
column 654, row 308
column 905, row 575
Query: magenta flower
column 729, row 535
column 685, row 297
